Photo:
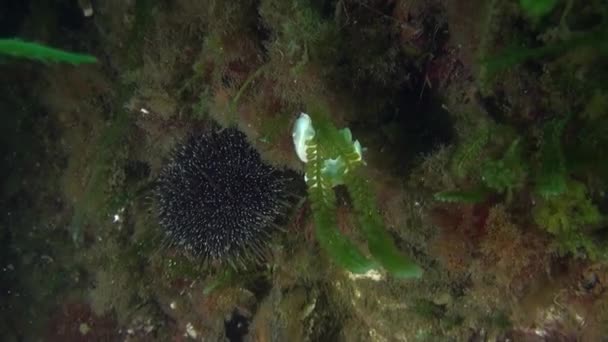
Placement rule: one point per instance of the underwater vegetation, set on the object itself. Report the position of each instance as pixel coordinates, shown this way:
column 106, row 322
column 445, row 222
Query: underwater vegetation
column 563, row 207
column 551, row 178
column 538, row 8
column 42, row 53
column 334, row 159
column 571, row 217
column 482, row 174
column 527, row 180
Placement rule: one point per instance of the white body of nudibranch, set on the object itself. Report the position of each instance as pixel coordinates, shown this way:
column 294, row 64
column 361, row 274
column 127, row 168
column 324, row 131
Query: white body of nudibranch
column 302, row 133
column 333, row 168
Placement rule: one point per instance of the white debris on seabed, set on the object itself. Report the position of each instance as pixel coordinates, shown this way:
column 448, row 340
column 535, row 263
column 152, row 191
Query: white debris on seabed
column 48, row 259
column 190, row 331
column 86, row 7
column 118, row 216
column 309, row 309
column 84, row 328
column 371, row 274
column 173, row 305
column 141, row 326
column 375, row 336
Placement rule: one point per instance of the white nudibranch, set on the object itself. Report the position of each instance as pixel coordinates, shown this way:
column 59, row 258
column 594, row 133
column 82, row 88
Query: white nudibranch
column 302, row 133
column 333, row 168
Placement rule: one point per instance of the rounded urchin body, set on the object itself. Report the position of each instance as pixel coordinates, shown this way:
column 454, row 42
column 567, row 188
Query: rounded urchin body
column 218, row 199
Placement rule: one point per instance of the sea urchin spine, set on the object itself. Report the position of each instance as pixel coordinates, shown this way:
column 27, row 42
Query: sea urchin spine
column 218, row 199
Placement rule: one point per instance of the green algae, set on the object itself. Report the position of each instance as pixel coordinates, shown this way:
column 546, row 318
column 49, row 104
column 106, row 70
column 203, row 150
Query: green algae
column 551, row 178
column 455, row 196
column 330, row 144
column 18, row 48
column 349, row 60
column 568, row 216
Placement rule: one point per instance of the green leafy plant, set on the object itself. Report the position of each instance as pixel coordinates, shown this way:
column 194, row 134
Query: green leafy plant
column 456, row 196
column 299, row 29
column 563, row 207
column 19, row 48
column 333, row 159
column 552, row 175
column 516, row 54
column 323, row 202
column 538, row 8
column 507, row 173
column 569, row 218
column 497, row 175
column 586, row 153
column 469, row 150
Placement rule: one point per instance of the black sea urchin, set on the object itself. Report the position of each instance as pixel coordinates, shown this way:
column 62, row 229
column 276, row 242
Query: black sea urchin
column 218, row 199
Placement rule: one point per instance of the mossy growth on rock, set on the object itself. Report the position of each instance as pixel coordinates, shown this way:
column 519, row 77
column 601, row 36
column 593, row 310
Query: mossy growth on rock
column 571, row 217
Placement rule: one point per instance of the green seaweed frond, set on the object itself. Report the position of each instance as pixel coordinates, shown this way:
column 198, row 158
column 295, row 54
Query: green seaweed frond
column 469, row 150
column 323, row 203
column 456, row 196
column 552, row 175
column 380, row 243
column 516, row 55
column 579, row 244
column 569, row 217
column 588, row 155
column 334, row 159
column 299, row 28
column 507, row 173
column 538, row 8
column 22, row 49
